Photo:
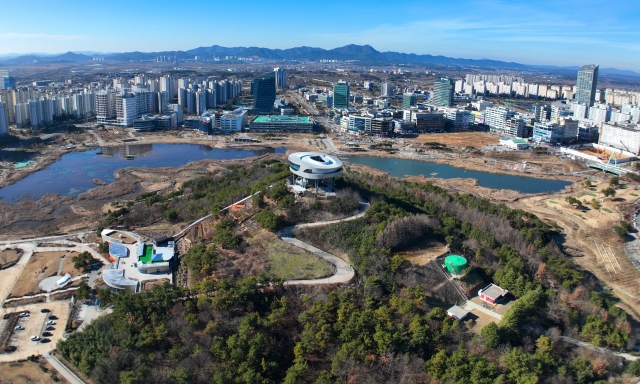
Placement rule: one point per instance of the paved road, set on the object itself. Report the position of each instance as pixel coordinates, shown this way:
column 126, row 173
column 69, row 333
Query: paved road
column 64, row 371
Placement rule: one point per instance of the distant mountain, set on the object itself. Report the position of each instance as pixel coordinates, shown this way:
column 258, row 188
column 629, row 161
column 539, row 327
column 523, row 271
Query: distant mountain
column 363, row 54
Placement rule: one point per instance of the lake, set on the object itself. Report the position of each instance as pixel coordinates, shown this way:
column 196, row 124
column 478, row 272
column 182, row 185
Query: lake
column 401, row 167
column 74, row 172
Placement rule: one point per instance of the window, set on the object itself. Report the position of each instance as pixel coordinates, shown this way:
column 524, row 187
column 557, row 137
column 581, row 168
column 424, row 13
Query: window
column 294, row 166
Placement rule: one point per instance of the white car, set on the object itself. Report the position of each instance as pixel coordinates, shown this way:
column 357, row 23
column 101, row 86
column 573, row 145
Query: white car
column 19, row 328
column 24, row 314
column 51, row 322
column 35, row 338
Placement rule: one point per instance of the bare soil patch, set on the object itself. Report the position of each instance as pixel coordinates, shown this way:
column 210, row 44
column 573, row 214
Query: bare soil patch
column 457, row 139
column 425, row 251
column 10, row 256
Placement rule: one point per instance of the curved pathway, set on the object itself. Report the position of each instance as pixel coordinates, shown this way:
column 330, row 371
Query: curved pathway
column 344, row 272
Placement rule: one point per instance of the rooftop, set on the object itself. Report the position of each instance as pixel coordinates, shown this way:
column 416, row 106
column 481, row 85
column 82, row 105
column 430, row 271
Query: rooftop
column 279, row 119
column 493, row 291
column 457, row 312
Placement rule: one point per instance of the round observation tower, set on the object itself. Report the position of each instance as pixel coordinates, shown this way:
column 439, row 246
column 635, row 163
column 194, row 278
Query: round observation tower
column 314, row 168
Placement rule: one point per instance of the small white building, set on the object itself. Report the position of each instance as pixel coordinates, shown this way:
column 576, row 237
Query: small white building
column 457, row 313
column 513, row 143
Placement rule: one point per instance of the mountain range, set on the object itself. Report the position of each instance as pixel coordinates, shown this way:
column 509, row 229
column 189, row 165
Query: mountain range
column 363, row 54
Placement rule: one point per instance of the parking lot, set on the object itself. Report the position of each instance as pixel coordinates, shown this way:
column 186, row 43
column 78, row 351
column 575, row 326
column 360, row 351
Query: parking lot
column 34, row 325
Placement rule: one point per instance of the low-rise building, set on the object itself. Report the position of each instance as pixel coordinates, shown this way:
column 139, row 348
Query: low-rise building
column 275, row 123
column 514, row 143
column 457, row 313
column 492, row 293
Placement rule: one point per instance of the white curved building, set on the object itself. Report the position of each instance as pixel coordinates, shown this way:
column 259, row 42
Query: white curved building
column 314, row 168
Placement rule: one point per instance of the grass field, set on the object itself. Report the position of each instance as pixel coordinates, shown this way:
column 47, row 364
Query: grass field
column 553, row 202
column 461, row 139
column 607, row 210
column 289, row 262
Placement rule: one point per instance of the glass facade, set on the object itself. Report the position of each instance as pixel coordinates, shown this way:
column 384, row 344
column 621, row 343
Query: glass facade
column 587, row 83
column 341, row 95
column 263, row 89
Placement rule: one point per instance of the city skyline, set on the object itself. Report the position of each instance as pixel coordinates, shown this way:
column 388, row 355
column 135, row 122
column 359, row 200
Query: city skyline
column 571, row 33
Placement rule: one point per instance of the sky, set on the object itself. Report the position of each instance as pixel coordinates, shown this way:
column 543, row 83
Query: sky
column 545, row 32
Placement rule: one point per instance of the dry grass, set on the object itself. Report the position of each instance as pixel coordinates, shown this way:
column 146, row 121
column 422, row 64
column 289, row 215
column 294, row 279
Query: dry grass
column 9, row 256
column 27, row 372
column 458, row 139
column 67, row 267
column 40, row 266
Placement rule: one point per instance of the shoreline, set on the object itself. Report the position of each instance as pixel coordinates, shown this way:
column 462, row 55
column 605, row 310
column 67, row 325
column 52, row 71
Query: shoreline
column 468, row 165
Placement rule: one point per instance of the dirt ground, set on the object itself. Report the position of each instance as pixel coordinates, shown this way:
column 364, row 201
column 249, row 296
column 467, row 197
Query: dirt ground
column 40, row 266
column 587, row 233
column 425, row 251
column 27, row 372
column 457, row 139
column 9, row 256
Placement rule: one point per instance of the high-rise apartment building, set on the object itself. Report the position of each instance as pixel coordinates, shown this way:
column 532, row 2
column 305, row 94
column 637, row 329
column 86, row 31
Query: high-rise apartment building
column 587, row 83
column 341, row 93
column 263, row 89
column 3, row 120
column 386, row 89
column 281, row 78
column 442, row 95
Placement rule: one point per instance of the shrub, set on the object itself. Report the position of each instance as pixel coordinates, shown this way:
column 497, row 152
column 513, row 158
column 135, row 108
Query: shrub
column 405, row 231
column 268, row 219
column 344, row 204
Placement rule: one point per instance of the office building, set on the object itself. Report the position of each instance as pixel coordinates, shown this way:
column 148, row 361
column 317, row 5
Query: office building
column 386, row 89
column 409, row 100
column 263, row 89
column 542, row 112
column 281, row 77
column 442, row 94
column 456, row 119
column 505, row 121
column 234, row 121
column 548, row 132
column 341, row 94
column 359, row 124
column 3, row 120
column 276, row 123
column 587, row 83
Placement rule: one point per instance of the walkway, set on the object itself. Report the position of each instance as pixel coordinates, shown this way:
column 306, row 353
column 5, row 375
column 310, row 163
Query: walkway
column 344, row 272
column 62, row 369
column 470, row 305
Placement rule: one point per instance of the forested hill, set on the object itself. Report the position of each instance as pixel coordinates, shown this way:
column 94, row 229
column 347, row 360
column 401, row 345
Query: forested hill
column 389, row 325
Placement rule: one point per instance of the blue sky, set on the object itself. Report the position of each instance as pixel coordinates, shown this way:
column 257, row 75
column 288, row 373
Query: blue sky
column 565, row 32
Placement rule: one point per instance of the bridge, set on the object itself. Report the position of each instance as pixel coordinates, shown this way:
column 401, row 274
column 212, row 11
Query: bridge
column 610, row 168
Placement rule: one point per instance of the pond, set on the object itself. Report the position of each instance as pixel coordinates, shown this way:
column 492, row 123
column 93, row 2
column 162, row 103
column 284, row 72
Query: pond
column 74, row 173
column 401, row 167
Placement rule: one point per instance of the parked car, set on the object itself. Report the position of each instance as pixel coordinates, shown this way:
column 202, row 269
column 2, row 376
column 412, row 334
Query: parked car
column 47, row 334
column 45, row 340
column 24, row 314
column 10, row 348
column 45, row 310
column 52, row 317
column 50, row 328
column 51, row 322
column 19, row 328
column 35, row 338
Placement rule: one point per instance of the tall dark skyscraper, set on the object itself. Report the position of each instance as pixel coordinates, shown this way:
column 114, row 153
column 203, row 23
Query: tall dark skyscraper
column 587, row 83
column 263, row 89
column 442, row 95
column 341, row 95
